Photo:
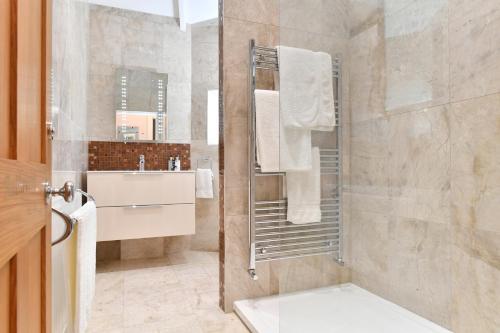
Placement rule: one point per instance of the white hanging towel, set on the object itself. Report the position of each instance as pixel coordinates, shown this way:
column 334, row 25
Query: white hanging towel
column 279, row 148
column 295, row 149
column 304, row 193
column 62, row 314
column 86, row 230
column 204, row 183
column 306, row 87
column 267, row 138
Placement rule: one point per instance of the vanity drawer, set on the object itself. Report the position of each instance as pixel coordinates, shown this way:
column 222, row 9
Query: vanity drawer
column 114, row 223
column 149, row 188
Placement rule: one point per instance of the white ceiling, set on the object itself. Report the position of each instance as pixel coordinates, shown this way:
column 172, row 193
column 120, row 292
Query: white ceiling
column 190, row 11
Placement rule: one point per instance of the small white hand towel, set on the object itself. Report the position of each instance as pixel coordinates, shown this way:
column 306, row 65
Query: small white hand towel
column 304, row 193
column 86, row 229
column 204, row 183
column 267, row 104
column 306, row 87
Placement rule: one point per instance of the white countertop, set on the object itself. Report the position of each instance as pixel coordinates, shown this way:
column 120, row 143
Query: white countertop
column 140, row 172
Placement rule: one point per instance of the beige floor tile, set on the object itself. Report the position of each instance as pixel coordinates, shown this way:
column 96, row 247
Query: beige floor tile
column 175, row 294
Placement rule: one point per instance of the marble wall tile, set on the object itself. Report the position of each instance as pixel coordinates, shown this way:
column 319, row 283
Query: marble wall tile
column 324, row 17
column 237, row 35
column 400, row 210
column 308, row 273
column 236, row 152
column 239, row 28
column 416, row 55
column 475, row 182
column 370, row 249
column 237, row 282
column 424, row 172
column 176, row 245
column 334, row 45
column 420, row 165
column 420, row 269
column 108, row 251
column 121, row 38
column 370, row 164
column 475, row 133
column 207, row 210
column 364, row 13
column 204, row 77
column 259, row 11
column 474, row 56
column 406, row 261
column 367, row 74
column 476, row 282
column 204, row 74
column 141, row 248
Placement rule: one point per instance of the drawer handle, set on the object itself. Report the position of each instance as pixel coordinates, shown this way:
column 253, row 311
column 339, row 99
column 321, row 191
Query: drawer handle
column 143, row 206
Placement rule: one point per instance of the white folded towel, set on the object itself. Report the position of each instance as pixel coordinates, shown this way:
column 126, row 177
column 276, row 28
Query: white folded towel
column 86, row 228
column 304, row 193
column 267, row 121
column 204, row 183
column 306, row 87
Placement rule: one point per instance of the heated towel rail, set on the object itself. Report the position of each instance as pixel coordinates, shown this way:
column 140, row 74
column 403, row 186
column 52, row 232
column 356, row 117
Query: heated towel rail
column 272, row 237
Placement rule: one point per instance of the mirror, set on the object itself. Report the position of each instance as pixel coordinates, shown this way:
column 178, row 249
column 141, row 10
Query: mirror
column 132, row 49
column 140, row 105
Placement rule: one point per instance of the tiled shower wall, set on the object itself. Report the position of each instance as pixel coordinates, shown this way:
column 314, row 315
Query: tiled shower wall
column 270, row 23
column 423, row 91
column 425, row 143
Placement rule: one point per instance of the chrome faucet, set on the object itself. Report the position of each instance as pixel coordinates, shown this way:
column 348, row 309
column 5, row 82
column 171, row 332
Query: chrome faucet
column 141, row 162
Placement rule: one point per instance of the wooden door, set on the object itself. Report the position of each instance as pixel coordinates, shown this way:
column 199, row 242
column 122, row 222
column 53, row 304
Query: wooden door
column 25, row 233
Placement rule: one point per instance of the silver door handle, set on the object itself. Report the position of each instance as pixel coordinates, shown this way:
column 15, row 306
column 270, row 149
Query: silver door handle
column 67, row 191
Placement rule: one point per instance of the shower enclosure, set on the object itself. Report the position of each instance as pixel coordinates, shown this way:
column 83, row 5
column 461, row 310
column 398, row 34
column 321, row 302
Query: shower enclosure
column 416, row 86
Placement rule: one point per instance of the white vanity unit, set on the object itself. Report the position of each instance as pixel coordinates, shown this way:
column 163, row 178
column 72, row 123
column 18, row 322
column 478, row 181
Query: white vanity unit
column 133, row 204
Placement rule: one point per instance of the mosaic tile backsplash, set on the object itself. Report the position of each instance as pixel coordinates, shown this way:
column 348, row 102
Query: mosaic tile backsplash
column 108, row 155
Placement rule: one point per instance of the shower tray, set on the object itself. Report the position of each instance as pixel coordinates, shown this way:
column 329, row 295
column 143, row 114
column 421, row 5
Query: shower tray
column 344, row 308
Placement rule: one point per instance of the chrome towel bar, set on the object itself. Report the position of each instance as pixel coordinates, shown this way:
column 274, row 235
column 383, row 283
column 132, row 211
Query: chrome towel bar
column 68, row 220
column 70, row 223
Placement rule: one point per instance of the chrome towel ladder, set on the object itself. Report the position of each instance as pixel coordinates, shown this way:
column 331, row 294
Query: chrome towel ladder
column 272, row 237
